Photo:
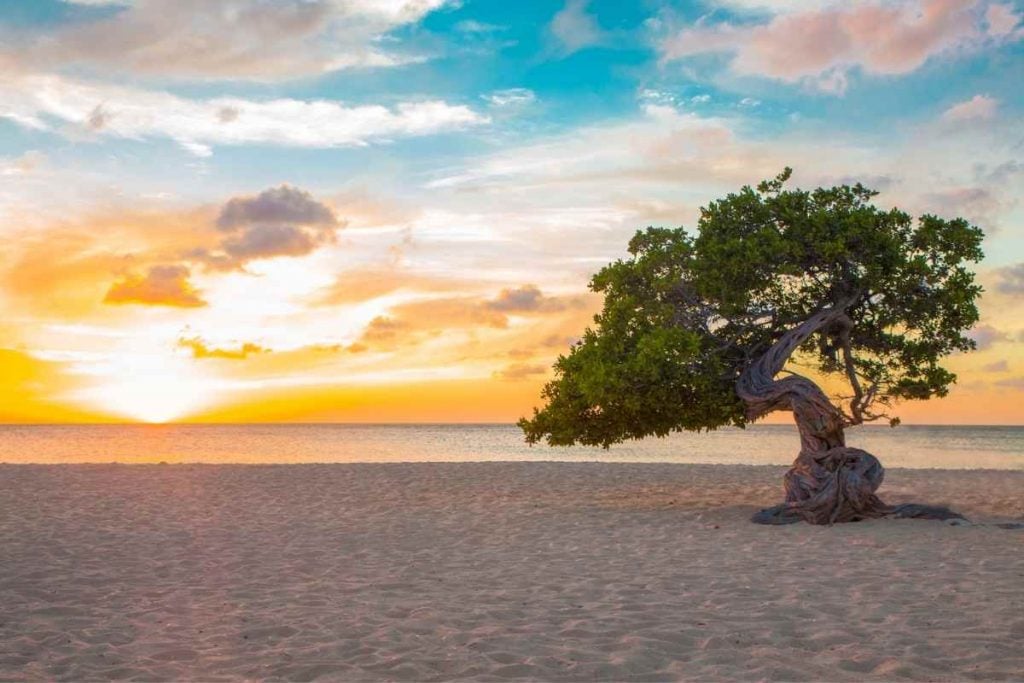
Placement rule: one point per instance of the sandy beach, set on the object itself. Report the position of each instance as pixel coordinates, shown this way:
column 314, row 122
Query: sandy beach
column 496, row 571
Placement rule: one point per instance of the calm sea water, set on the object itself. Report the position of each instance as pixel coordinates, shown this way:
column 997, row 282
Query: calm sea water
column 907, row 446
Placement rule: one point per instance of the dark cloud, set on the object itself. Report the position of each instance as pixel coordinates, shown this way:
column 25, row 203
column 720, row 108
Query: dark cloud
column 881, row 183
column 164, row 285
column 976, row 204
column 525, row 299
column 986, row 335
column 97, row 118
column 999, row 174
column 1011, row 383
column 284, row 204
column 265, row 241
column 281, row 221
column 227, row 114
column 1011, row 279
column 560, row 341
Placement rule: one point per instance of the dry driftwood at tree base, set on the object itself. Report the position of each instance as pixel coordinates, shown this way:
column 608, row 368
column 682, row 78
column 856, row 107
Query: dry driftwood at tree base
column 829, row 482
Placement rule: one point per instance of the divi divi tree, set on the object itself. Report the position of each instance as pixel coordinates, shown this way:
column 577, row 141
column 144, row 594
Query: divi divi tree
column 700, row 331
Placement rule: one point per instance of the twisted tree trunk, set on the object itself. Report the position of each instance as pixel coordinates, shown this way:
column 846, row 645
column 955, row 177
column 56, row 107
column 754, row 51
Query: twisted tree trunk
column 829, row 482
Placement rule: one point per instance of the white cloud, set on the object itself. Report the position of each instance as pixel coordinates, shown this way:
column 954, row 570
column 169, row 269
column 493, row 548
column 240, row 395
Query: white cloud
column 510, row 97
column 103, row 110
column 574, row 28
column 978, row 107
column 25, row 164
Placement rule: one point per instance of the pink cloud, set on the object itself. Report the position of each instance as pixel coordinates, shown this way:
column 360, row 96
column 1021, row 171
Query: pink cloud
column 1002, row 20
column 978, row 107
column 820, row 46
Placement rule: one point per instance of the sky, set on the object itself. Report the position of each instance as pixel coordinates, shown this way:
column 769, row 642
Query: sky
column 389, row 210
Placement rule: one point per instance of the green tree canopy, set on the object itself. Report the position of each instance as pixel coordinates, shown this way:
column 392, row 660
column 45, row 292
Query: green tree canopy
column 686, row 314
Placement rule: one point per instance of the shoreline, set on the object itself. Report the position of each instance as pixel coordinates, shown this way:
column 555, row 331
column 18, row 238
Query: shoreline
column 406, row 463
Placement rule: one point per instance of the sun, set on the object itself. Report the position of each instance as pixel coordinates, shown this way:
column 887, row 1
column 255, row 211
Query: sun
column 149, row 388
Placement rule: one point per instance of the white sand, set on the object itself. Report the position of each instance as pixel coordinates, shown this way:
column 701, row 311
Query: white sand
column 495, row 572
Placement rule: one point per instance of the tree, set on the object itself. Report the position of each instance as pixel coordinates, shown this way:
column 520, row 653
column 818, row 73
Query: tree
column 702, row 331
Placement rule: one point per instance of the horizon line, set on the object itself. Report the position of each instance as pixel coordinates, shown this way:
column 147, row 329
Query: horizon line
column 448, row 424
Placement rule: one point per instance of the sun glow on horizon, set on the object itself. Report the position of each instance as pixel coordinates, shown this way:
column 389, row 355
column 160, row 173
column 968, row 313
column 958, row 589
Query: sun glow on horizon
column 149, row 388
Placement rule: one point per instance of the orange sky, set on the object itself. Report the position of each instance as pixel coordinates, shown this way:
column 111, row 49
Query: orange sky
column 390, row 211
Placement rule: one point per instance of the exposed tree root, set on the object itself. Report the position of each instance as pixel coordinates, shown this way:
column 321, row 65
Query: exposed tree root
column 840, row 487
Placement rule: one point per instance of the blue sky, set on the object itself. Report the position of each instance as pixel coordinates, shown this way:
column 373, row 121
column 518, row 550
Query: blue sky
column 492, row 145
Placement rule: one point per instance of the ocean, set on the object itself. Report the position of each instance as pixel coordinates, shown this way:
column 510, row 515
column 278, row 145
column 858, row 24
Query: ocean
column 943, row 447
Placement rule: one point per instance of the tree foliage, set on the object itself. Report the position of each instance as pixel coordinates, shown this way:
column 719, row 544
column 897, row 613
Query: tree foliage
column 686, row 313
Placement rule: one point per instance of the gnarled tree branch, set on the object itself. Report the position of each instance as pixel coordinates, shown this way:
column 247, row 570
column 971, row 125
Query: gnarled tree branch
column 829, row 482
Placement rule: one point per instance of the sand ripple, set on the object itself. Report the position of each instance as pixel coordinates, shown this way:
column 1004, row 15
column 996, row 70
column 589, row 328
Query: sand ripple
column 494, row 572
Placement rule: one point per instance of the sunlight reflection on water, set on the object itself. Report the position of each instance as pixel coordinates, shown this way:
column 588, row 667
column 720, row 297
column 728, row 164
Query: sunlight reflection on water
column 908, row 446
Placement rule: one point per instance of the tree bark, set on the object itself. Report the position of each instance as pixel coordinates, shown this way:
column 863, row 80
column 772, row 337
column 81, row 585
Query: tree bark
column 829, row 482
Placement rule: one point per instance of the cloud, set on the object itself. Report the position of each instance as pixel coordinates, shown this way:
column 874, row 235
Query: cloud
column 22, row 165
column 1011, row 383
column 998, row 366
column 165, row 285
column 820, row 45
column 976, row 204
column 200, row 349
column 280, row 221
column 473, row 26
column 574, row 28
column 979, row 107
column 520, row 371
column 985, row 336
column 656, row 168
column 525, row 299
column 1002, row 20
column 229, row 39
column 664, row 143
column 1011, row 279
column 366, row 283
column 773, row 6
column 266, row 241
column 412, row 323
column 284, row 204
column 52, row 101
column 510, row 97
column 386, row 333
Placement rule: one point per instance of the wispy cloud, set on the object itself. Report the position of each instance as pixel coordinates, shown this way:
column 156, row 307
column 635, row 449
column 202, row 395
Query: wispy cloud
column 574, row 28
column 510, row 97
column 229, row 39
column 84, row 108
